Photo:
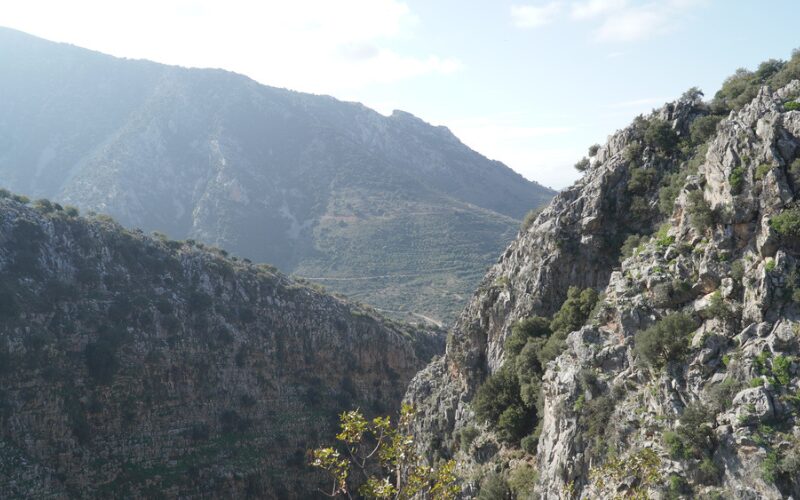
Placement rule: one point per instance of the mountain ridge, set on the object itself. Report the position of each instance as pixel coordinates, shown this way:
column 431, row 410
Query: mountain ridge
column 300, row 181
column 136, row 366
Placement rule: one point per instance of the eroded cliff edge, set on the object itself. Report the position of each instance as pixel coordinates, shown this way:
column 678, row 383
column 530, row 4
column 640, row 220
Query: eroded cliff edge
column 616, row 412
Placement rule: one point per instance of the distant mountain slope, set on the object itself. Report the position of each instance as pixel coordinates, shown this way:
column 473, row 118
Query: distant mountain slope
column 132, row 367
column 315, row 186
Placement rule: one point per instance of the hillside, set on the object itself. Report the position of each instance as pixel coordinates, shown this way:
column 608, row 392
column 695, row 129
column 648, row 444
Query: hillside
column 639, row 340
column 134, row 367
column 392, row 210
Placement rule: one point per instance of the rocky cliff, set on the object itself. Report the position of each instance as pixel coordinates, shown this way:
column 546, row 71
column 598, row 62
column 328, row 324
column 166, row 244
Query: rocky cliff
column 681, row 378
column 134, row 367
column 303, row 182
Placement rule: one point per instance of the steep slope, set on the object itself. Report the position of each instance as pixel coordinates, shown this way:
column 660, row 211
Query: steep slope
column 681, row 378
column 719, row 405
column 133, row 367
column 304, row 182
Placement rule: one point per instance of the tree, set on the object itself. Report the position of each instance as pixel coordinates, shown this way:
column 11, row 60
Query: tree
column 693, row 94
column 385, row 459
column 667, row 340
column 660, row 134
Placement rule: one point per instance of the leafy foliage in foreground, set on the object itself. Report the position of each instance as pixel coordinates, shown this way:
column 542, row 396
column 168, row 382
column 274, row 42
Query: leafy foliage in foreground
column 383, row 460
column 642, row 465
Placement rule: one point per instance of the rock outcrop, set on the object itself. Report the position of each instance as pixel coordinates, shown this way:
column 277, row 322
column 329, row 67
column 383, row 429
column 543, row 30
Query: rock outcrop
column 133, row 367
column 709, row 410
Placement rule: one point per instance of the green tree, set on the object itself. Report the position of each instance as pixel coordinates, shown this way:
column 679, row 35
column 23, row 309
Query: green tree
column 385, row 460
column 666, row 340
column 660, row 134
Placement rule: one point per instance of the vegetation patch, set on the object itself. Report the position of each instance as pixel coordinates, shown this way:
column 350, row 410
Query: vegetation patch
column 787, row 223
column 510, row 399
column 665, row 341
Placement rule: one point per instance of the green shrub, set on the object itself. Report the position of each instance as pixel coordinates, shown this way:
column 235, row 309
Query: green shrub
column 736, row 180
column 522, row 480
column 762, row 171
column 660, row 134
column 522, row 331
column 678, row 485
column 639, row 209
column 790, row 461
column 44, row 206
column 508, row 400
column 792, row 106
column 700, row 214
column 570, row 317
column 631, row 243
column 769, row 467
column 494, row 487
column 721, row 395
column 737, row 270
column 593, row 149
column 673, row 183
column 770, row 265
column 794, row 171
column 641, row 180
column 515, row 422
column 530, row 218
column 467, row 436
column 787, row 223
column 708, row 472
column 499, row 403
column 781, row 370
column 665, row 241
column 596, row 415
column 674, row 445
column 529, row 443
column 665, row 341
column 582, row 165
column 703, row 128
column 633, row 151
column 717, row 307
column 575, row 310
column 695, row 431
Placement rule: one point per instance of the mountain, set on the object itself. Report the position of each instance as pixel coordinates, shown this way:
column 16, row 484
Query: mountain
column 140, row 367
column 391, row 210
column 640, row 338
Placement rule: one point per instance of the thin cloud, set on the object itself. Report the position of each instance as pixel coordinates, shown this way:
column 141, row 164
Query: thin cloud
column 639, row 22
column 593, row 8
column 533, row 16
column 614, row 20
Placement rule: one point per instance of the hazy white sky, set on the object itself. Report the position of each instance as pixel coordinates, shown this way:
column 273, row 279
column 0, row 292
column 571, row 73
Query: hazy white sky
column 529, row 83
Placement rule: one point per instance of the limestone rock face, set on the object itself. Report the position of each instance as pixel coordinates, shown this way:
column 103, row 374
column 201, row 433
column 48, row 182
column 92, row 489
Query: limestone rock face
column 730, row 273
column 133, row 367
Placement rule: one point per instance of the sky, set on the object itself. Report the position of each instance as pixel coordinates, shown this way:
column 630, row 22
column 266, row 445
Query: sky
column 532, row 84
